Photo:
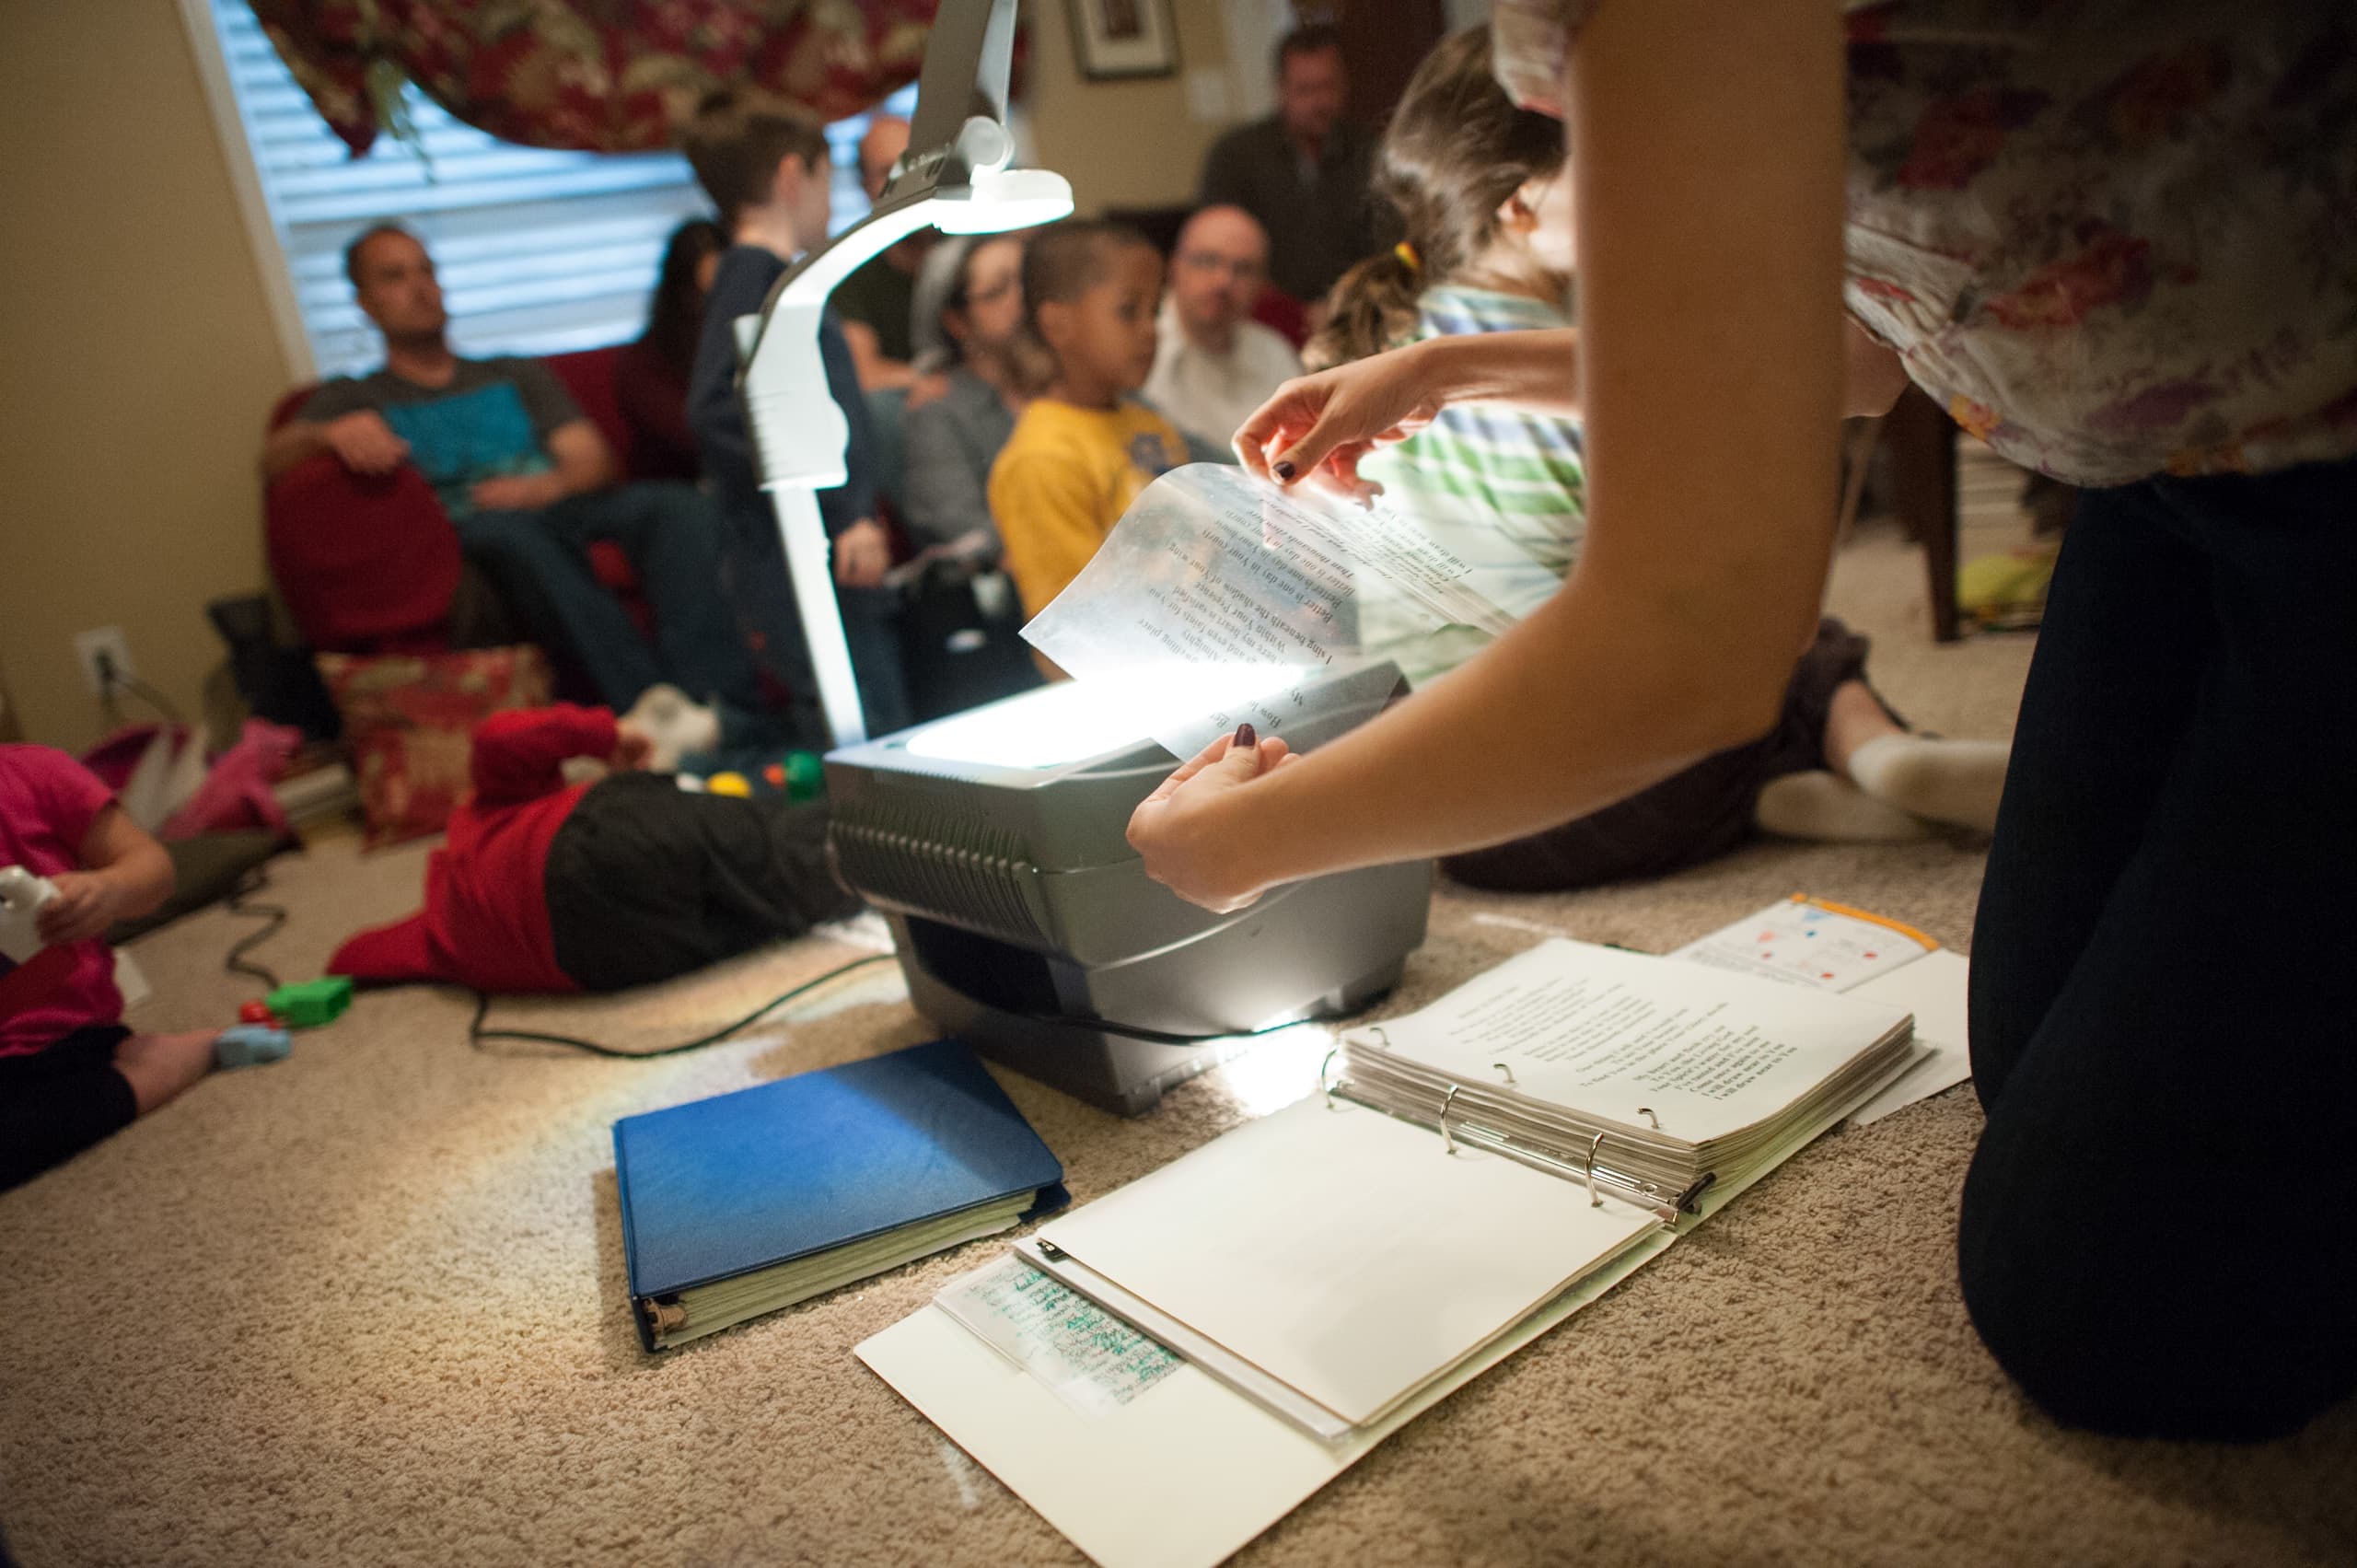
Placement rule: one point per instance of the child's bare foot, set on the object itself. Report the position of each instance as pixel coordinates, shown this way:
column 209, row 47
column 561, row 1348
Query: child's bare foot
column 159, row 1066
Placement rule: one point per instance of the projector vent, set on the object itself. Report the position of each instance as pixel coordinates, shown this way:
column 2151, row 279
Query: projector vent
column 941, row 864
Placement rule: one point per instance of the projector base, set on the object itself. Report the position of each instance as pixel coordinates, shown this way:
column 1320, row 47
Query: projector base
column 1320, row 949
column 1112, row 1072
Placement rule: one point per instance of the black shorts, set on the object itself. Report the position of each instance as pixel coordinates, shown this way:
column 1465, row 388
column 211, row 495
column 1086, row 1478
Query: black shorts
column 57, row 1101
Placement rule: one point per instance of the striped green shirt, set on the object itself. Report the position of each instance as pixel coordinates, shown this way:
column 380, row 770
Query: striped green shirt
column 1504, row 492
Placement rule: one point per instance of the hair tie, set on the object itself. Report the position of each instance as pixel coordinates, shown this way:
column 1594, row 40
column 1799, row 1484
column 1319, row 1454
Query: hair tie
column 1408, row 257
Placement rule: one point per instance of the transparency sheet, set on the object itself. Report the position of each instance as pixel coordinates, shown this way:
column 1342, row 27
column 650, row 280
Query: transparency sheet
column 1258, row 591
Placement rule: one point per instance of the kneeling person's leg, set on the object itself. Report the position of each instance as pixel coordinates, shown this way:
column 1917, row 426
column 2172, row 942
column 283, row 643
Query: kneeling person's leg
column 2158, row 1227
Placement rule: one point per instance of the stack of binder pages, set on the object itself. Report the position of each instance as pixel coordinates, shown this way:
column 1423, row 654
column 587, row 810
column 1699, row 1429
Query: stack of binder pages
column 749, row 1202
column 1329, row 1271
column 1620, row 1070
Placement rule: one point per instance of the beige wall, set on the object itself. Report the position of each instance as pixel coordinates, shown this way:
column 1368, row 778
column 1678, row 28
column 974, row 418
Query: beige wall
column 1121, row 144
column 139, row 358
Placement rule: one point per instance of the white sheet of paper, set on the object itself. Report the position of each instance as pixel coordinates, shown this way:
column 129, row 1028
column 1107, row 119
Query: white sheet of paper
column 1182, row 1477
column 1600, row 1028
column 1804, row 943
column 1344, row 1252
column 129, row 978
column 1933, row 988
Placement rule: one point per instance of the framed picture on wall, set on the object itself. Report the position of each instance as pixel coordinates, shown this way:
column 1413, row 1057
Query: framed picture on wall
column 1114, row 39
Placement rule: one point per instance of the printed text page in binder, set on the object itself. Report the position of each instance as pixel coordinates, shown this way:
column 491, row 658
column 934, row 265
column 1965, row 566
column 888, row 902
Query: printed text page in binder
column 1709, row 1055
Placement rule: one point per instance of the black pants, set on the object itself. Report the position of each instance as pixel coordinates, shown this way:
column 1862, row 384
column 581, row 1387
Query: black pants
column 1692, row 816
column 2159, row 1232
column 539, row 563
column 646, row 883
column 57, row 1102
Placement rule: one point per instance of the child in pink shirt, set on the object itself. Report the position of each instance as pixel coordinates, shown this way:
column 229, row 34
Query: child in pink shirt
column 70, row 1072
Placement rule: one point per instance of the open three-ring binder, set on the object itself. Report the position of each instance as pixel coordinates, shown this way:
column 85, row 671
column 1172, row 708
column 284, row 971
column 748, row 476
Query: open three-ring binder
column 1337, row 1250
column 1571, row 1110
column 1454, row 1123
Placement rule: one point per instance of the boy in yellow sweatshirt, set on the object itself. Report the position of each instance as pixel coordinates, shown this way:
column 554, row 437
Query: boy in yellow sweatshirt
column 1084, row 447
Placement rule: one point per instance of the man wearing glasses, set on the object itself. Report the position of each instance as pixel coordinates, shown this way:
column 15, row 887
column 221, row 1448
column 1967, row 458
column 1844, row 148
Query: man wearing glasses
column 1214, row 365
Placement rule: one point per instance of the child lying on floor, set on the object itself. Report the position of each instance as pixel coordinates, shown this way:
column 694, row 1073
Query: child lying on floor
column 71, row 1073
column 545, row 887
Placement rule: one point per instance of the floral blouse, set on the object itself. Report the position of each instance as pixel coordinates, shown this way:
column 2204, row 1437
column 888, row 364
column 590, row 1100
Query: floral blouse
column 2114, row 238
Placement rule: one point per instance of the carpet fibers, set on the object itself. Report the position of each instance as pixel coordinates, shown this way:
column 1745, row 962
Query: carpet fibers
column 368, row 1305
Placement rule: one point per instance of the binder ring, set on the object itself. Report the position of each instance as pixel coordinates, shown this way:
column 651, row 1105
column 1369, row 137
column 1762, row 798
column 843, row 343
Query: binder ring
column 1323, row 1067
column 1593, row 1145
column 1448, row 1144
column 1648, row 1112
column 1507, row 1072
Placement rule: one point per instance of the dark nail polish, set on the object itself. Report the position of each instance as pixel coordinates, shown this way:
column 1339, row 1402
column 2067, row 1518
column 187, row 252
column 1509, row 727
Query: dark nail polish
column 1244, row 737
column 1285, row 470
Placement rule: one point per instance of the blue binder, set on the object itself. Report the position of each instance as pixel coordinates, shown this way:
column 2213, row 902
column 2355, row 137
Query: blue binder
column 727, row 1188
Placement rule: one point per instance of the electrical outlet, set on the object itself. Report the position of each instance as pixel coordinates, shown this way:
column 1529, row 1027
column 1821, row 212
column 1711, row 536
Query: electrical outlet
column 107, row 642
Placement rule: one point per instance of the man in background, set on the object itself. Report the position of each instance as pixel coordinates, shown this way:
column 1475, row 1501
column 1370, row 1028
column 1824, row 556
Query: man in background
column 877, row 301
column 1303, row 172
column 528, row 485
column 1213, row 365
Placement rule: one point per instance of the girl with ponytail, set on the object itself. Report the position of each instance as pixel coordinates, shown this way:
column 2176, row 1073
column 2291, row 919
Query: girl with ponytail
column 1483, row 191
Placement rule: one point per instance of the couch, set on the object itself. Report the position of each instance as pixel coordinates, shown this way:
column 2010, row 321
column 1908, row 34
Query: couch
column 370, row 564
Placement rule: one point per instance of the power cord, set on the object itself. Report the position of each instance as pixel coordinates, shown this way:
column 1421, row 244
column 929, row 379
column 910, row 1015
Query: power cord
column 477, row 1034
column 272, row 915
column 110, row 678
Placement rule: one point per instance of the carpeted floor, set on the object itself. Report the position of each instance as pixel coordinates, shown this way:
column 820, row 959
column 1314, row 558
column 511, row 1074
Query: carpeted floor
column 366, row 1306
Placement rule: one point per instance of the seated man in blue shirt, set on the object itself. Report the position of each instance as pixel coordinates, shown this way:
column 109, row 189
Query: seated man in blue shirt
column 528, row 483
column 767, row 173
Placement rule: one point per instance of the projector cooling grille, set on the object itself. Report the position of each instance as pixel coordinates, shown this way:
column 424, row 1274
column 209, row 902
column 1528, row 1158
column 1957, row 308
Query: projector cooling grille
column 944, row 865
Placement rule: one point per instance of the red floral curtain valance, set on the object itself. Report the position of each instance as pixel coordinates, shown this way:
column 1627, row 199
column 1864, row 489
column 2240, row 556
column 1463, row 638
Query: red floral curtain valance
column 601, row 76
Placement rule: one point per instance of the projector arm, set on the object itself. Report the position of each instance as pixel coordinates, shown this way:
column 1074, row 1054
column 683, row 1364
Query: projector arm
column 954, row 177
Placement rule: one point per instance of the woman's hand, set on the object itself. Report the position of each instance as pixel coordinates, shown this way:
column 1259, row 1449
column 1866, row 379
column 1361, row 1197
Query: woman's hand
column 1317, row 427
column 1177, row 828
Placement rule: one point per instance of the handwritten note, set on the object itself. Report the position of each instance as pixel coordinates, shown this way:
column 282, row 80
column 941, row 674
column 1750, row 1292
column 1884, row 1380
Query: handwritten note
column 1093, row 1362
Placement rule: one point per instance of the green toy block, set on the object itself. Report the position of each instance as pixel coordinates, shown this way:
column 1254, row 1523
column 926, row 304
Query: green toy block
column 312, row 1003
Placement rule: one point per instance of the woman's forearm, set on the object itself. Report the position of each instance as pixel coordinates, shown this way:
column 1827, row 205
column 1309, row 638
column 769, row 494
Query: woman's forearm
column 1603, row 693
column 1536, row 372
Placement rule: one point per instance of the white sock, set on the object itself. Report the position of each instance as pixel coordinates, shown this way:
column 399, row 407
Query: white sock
column 1947, row 780
column 1825, row 806
column 675, row 723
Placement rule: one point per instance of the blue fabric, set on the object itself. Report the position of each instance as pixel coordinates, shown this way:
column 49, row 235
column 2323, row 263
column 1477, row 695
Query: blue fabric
column 539, row 563
column 466, row 438
column 249, row 1044
column 757, row 577
column 740, row 288
column 725, row 1186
